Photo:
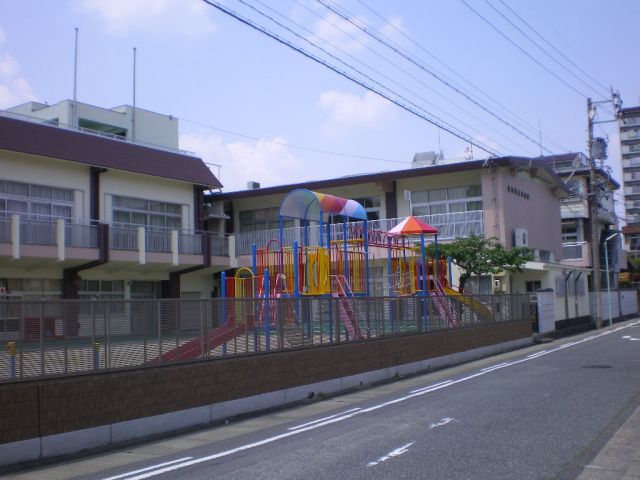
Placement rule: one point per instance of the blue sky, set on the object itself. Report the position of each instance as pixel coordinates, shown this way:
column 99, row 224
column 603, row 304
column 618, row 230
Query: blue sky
column 200, row 65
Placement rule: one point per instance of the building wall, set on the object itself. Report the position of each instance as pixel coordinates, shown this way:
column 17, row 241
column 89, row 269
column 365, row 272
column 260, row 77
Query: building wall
column 49, row 172
column 514, row 200
column 114, row 182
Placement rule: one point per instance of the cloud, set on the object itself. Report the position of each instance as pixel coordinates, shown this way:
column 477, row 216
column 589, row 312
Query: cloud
column 14, row 89
column 190, row 18
column 347, row 111
column 394, row 29
column 262, row 161
column 334, row 30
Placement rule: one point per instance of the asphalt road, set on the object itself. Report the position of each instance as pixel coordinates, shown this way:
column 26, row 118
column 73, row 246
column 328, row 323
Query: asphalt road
column 538, row 413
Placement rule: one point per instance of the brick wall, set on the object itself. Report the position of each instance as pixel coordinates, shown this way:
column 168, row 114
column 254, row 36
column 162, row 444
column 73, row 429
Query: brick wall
column 46, row 407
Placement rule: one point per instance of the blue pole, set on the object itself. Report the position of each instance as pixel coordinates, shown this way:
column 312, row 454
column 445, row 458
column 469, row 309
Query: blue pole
column 345, row 269
column 281, row 231
column 223, row 294
column 366, row 256
column 267, row 333
column 254, row 265
column 296, row 267
column 449, row 265
column 424, row 282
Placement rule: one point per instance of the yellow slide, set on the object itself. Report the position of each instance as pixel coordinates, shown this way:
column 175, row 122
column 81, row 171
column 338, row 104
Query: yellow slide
column 474, row 304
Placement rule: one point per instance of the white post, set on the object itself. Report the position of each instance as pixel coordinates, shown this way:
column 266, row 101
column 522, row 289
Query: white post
column 606, row 260
column 60, row 238
column 15, row 236
column 175, row 254
column 142, row 246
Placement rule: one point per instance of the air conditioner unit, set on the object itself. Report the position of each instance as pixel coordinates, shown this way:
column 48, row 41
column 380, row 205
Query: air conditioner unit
column 520, row 237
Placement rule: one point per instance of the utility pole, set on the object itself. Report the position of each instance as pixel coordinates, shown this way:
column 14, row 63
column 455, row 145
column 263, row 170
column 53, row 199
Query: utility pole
column 597, row 150
column 593, row 216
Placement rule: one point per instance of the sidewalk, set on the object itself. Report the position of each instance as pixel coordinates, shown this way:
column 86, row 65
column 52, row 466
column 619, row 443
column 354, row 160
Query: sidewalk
column 620, row 457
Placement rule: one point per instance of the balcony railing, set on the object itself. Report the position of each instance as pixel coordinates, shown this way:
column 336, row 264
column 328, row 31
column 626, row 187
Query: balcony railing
column 124, row 238
column 449, row 225
column 219, row 245
column 34, row 231
column 190, row 243
column 573, row 251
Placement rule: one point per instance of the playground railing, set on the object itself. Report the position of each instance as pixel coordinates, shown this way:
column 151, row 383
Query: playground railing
column 67, row 337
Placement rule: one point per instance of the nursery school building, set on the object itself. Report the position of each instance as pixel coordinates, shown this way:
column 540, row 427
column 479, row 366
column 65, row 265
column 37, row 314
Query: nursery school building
column 121, row 243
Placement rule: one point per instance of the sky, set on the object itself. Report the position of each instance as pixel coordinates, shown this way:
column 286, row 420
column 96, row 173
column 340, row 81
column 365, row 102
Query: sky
column 266, row 113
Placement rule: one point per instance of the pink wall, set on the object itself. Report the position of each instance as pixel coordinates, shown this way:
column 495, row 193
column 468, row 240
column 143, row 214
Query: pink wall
column 530, row 204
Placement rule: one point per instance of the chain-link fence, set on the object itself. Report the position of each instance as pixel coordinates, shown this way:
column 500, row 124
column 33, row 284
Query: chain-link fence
column 63, row 337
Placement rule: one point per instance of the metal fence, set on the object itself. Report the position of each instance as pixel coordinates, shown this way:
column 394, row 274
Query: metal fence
column 63, row 337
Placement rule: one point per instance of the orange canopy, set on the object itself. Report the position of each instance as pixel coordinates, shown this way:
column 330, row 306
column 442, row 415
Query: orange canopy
column 412, row 226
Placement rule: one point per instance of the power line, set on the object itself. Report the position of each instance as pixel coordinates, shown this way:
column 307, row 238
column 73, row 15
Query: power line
column 508, row 139
column 458, row 134
column 506, row 37
column 541, row 47
column 346, row 64
column 430, row 72
column 505, row 109
column 551, row 45
column 289, row 145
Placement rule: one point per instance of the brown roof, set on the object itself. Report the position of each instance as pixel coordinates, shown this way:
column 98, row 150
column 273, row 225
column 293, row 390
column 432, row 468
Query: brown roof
column 48, row 141
column 395, row 175
column 633, row 228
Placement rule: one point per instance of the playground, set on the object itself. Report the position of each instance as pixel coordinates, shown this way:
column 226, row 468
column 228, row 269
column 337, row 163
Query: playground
column 268, row 304
column 317, row 290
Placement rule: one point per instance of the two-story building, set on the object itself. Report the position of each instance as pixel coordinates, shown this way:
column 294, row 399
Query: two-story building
column 89, row 209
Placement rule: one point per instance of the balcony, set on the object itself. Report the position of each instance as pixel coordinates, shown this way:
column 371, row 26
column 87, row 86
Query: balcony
column 33, row 237
column 577, row 254
column 449, row 225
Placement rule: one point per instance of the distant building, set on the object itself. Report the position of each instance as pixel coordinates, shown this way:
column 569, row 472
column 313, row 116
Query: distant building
column 629, row 125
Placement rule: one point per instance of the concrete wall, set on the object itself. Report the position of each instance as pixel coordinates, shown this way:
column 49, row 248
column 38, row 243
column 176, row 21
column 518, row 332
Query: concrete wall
column 47, row 409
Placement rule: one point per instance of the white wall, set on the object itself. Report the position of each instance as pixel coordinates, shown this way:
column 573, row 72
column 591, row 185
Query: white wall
column 49, row 172
column 114, row 182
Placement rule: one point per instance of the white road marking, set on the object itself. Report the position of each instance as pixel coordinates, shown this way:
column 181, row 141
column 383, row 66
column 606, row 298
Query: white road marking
column 416, row 393
column 431, row 386
column 537, row 354
column 394, row 453
column 495, row 367
column 122, row 475
column 629, row 337
column 442, row 422
column 323, row 419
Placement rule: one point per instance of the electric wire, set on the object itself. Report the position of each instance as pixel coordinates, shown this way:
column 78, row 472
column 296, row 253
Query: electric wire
column 294, row 146
column 553, row 46
column 346, row 64
column 505, row 110
column 515, row 44
column 459, row 121
column 430, row 118
column 430, row 72
column 544, row 50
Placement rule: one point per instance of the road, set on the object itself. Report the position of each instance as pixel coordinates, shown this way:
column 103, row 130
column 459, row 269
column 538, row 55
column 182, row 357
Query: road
column 537, row 413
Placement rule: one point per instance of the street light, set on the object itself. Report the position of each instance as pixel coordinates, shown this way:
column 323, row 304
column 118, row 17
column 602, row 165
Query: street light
column 606, row 262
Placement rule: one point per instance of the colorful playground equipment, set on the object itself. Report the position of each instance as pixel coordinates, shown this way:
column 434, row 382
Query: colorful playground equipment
column 329, row 260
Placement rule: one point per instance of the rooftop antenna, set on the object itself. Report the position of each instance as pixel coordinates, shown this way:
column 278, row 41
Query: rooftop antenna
column 74, row 112
column 133, row 115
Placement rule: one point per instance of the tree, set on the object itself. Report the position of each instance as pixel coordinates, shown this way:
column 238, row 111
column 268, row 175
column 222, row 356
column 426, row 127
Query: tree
column 481, row 256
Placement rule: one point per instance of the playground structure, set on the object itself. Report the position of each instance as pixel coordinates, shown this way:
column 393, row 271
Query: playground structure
column 330, row 263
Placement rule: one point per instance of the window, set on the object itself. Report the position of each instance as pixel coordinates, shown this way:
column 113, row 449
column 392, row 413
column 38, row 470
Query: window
column 575, row 186
column 533, row 286
column 262, row 219
column 569, row 231
column 447, row 200
column 634, row 147
column 371, row 206
column 153, row 214
column 37, row 202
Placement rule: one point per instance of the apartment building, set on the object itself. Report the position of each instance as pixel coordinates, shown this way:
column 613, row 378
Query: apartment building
column 629, row 128
column 91, row 209
column 574, row 169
